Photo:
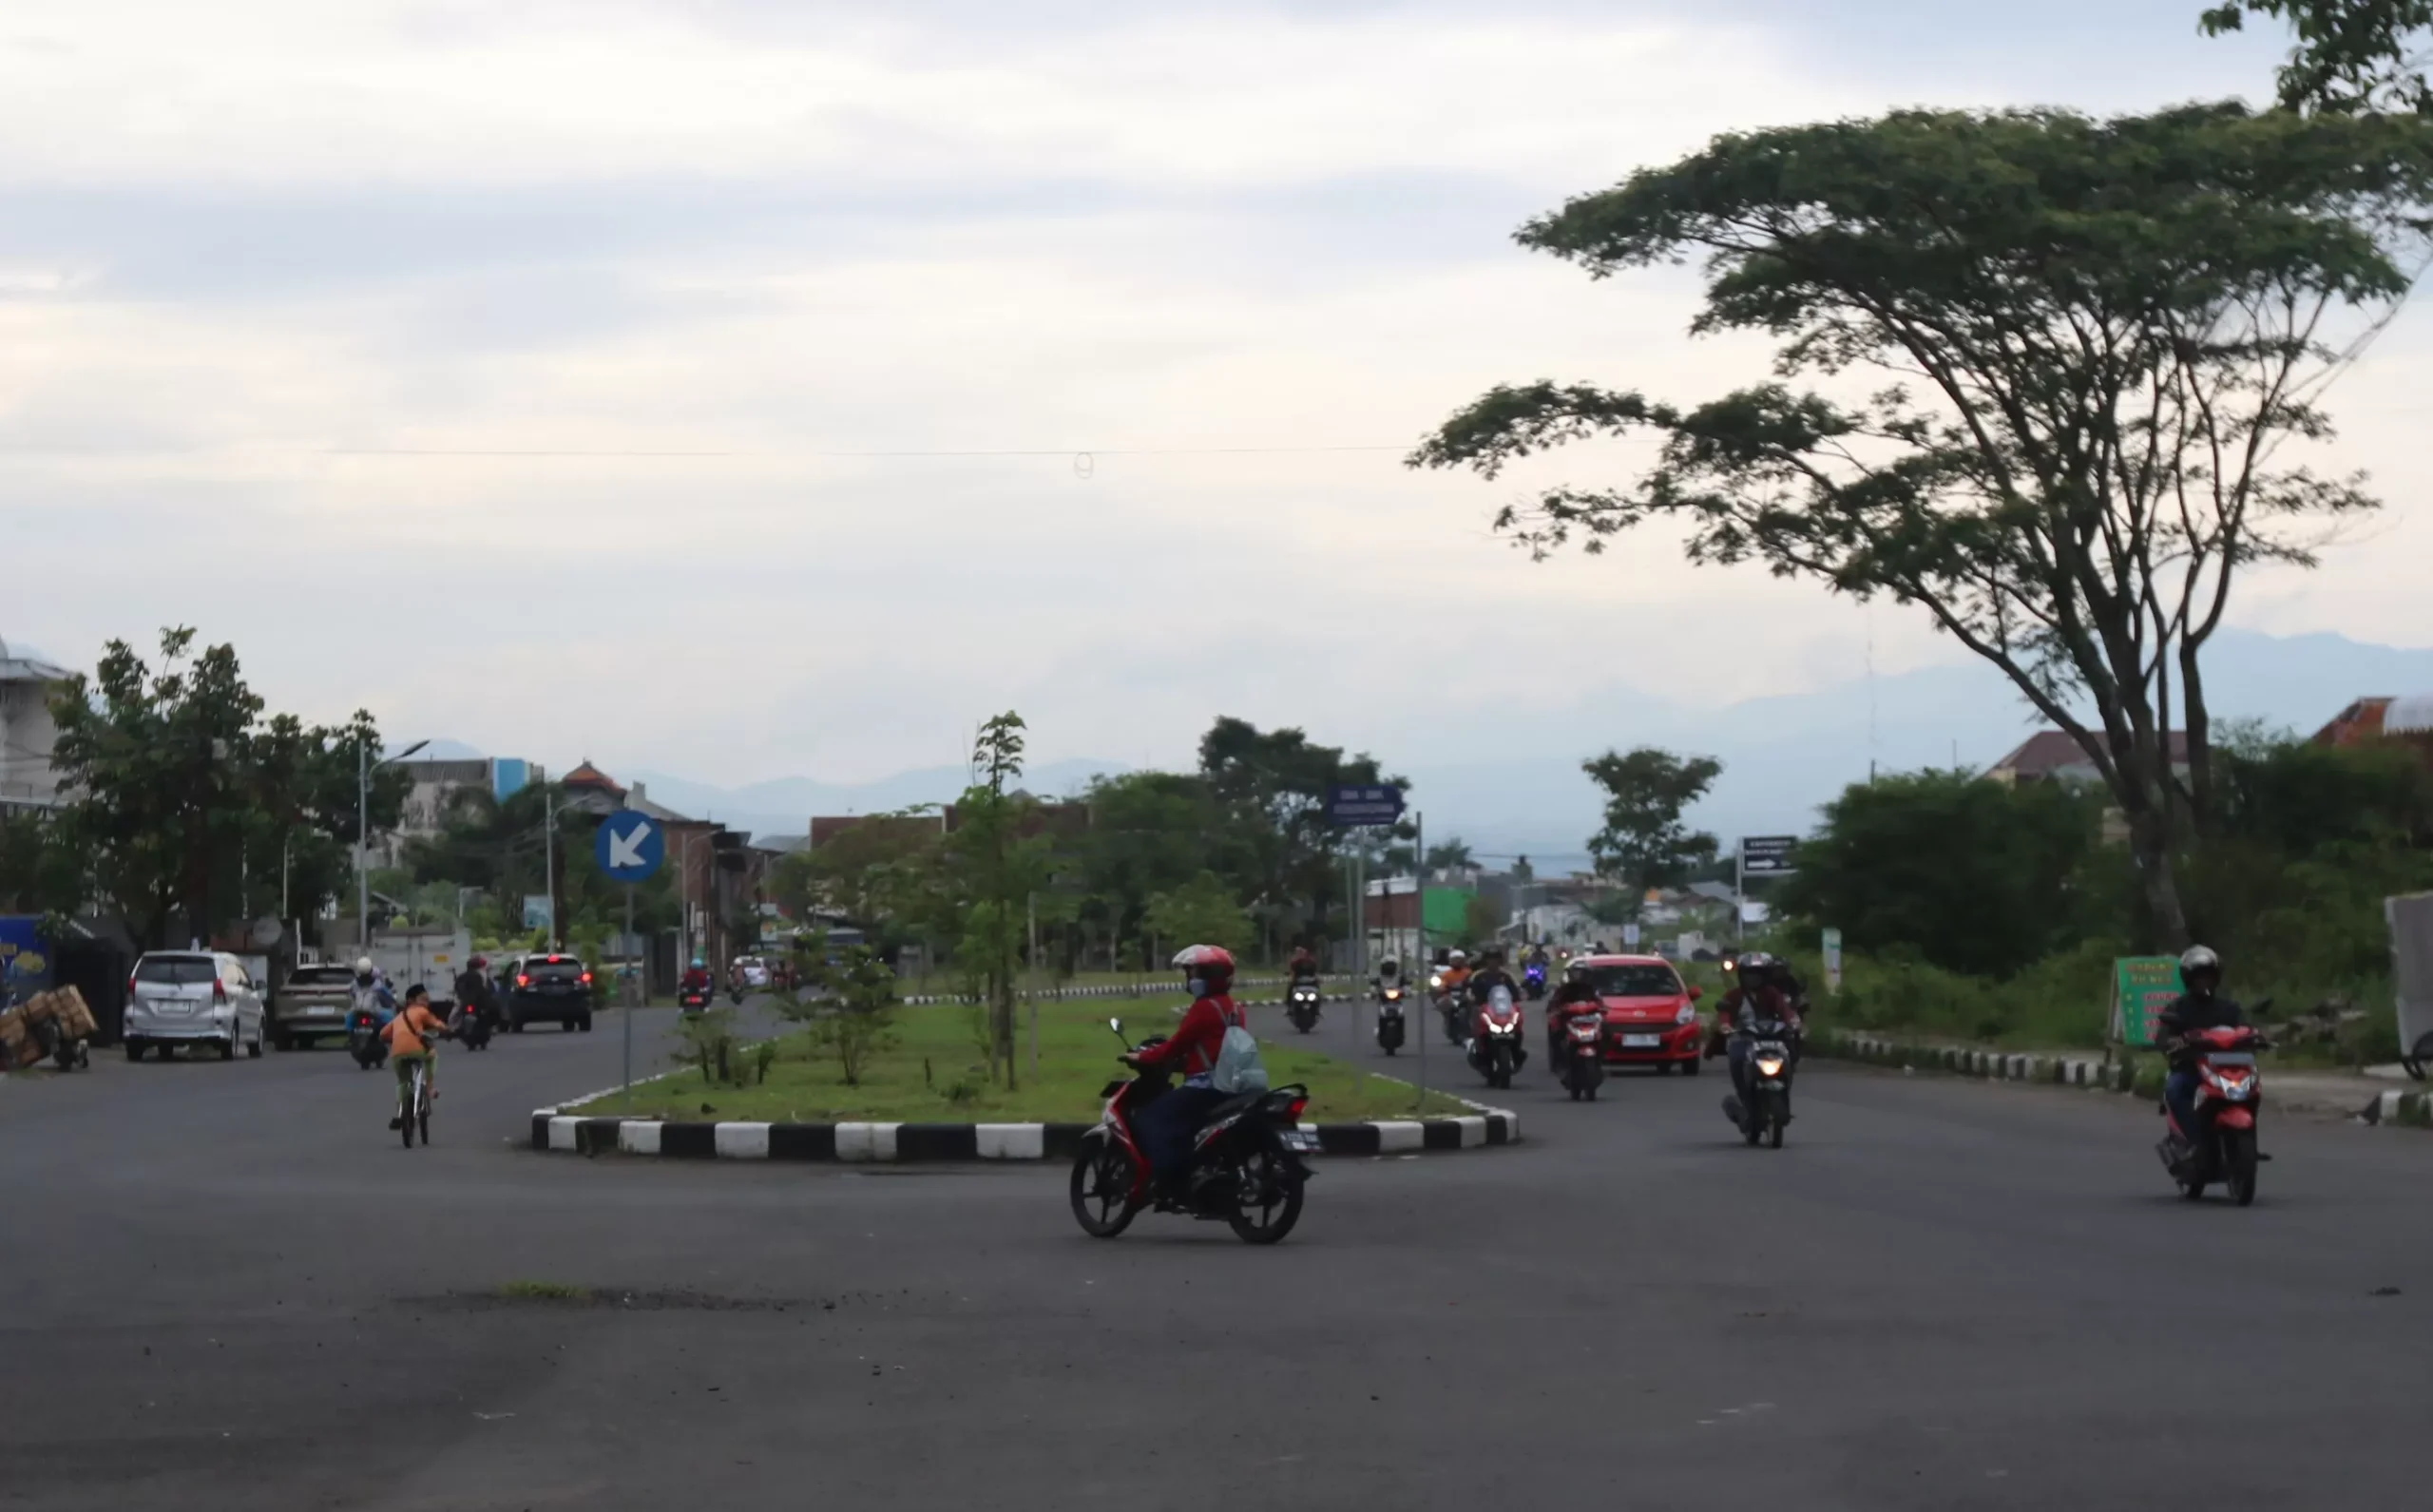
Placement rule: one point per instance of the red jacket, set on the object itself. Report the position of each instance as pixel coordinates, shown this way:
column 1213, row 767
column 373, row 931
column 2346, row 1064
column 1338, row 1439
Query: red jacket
column 1196, row 1039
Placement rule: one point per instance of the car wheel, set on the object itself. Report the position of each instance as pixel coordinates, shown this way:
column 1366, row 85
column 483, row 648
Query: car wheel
column 227, row 1048
column 585, row 1023
column 1689, row 1069
column 135, row 1049
column 254, row 1049
column 515, row 1026
column 282, row 1039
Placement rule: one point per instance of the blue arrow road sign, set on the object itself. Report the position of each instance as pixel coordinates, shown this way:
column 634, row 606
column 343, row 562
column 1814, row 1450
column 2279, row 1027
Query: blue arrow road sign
column 1352, row 806
column 630, row 846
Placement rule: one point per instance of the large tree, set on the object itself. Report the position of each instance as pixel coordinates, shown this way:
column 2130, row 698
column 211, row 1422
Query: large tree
column 1279, row 850
column 2103, row 339
column 2351, row 54
column 1643, row 842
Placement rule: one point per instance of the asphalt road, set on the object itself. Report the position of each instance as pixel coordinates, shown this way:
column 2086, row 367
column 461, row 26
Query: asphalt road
column 226, row 1284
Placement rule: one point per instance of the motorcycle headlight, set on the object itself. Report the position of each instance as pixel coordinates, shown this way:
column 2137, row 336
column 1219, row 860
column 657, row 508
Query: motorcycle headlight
column 1687, row 1015
column 1769, row 1066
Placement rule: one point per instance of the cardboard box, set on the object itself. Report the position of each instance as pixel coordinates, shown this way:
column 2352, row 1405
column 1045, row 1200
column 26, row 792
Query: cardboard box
column 74, row 1016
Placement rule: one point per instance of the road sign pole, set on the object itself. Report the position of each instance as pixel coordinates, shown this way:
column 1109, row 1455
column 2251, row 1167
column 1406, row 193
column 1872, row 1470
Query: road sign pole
column 1419, row 937
column 630, row 1003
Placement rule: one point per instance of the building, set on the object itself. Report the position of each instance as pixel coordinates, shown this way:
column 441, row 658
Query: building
column 438, row 781
column 2055, row 756
column 2366, row 722
column 26, row 733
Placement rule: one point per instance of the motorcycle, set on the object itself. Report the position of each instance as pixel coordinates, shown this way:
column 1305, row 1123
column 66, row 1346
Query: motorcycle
column 692, row 1000
column 1533, row 980
column 470, row 1027
column 1301, row 1006
column 1772, row 1058
column 1246, row 1164
column 1584, row 1040
column 2230, row 1094
column 1496, row 1051
column 364, row 1040
column 1452, row 1006
column 1389, row 1018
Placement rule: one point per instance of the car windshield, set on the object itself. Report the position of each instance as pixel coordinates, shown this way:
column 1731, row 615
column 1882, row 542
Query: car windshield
column 1636, row 980
column 176, row 970
column 320, row 976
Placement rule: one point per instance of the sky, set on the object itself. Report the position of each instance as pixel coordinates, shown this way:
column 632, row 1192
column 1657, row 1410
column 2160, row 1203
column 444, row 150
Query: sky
column 742, row 389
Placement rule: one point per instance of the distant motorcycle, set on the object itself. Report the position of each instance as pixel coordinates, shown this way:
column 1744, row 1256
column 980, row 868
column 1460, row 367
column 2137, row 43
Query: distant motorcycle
column 1301, row 1006
column 1533, row 980
column 470, row 1027
column 1496, row 1050
column 1389, row 1018
column 1583, row 1042
column 693, row 999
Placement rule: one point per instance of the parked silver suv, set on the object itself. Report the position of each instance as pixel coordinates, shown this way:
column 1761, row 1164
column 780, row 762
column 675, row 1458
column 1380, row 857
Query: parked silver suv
column 192, row 997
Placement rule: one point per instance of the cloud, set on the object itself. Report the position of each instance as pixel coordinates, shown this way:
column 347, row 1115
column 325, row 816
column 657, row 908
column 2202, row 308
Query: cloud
column 291, row 292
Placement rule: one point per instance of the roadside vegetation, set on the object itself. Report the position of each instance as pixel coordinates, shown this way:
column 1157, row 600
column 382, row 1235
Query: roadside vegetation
column 932, row 1067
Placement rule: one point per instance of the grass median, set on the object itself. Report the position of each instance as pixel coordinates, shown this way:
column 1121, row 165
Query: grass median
column 936, row 1073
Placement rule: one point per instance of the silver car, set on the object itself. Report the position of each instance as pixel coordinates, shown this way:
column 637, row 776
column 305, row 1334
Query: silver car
column 192, row 997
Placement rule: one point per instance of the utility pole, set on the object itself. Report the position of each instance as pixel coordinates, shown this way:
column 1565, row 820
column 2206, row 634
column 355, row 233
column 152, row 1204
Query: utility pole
column 364, row 767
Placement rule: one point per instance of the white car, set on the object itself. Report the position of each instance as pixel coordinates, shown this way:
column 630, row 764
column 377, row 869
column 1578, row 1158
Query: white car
column 192, row 997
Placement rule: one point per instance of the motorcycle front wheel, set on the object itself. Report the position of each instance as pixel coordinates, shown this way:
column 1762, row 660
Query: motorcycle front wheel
column 1103, row 1188
column 2241, row 1159
column 1272, row 1203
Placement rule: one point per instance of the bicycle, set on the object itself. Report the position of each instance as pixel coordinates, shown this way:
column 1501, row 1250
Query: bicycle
column 416, row 1111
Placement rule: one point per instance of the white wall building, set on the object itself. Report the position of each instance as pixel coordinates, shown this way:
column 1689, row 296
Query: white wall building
column 26, row 732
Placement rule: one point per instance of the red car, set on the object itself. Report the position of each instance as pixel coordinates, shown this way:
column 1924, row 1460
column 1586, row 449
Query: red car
column 1651, row 1017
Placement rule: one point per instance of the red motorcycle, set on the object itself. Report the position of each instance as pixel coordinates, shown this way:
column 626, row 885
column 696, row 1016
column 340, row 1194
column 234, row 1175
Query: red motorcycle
column 2229, row 1096
column 1496, row 1050
column 1246, row 1165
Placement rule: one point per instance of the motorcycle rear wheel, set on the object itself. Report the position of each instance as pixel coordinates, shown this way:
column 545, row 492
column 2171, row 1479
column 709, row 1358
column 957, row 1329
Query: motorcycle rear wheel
column 1775, row 1134
column 1273, row 1176
column 1102, row 1189
column 2242, row 1163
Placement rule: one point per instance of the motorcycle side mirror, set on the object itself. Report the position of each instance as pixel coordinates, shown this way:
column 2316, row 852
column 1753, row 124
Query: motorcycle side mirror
column 1116, row 1025
column 1696, row 992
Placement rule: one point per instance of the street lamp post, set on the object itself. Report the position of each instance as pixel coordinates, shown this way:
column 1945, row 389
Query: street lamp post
column 363, row 766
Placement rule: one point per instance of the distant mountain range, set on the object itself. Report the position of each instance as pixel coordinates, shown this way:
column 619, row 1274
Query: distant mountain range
column 1783, row 757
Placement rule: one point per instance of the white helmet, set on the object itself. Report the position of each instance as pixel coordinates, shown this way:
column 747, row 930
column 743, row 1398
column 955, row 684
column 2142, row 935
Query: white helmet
column 1457, row 958
column 363, row 966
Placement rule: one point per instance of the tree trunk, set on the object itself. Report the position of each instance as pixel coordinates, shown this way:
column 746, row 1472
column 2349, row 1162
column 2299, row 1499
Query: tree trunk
column 2150, row 844
column 2197, row 722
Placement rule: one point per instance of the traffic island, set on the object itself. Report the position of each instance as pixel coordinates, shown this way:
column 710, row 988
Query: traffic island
column 897, row 1143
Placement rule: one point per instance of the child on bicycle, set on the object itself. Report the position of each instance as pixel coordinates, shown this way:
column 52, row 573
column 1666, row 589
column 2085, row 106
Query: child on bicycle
column 412, row 1035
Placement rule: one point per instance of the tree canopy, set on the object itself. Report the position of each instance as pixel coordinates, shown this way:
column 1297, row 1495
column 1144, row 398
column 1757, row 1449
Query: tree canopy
column 1643, row 843
column 2099, row 337
column 2351, row 54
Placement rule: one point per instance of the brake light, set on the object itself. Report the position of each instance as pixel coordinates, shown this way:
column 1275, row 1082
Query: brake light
column 131, row 985
column 522, row 980
column 219, row 990
column 1293, row 1109
column 587, row 979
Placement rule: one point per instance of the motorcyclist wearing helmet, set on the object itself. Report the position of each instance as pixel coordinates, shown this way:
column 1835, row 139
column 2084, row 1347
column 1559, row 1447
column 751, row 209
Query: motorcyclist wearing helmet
column 1575, row 993
column 1492, row 973
column 1166, row 1124
column 1456, row 972
column 2200, row 1005
column 472, row 989
column 369, row 994
column 697, row 976
column 1754, row 998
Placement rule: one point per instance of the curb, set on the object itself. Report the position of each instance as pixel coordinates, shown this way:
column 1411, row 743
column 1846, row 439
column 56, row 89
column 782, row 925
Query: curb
column 2410, row 1109
column 857, row 1143
column 1137, row 989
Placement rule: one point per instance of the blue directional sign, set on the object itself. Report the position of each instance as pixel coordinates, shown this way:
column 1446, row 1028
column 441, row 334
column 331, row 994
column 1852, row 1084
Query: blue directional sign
column 1352, row 806
column 630, row 846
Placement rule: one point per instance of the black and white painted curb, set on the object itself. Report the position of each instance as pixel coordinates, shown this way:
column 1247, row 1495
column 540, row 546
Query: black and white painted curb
column 1167, row 988
column 2413, row 1109
column 884, row 1142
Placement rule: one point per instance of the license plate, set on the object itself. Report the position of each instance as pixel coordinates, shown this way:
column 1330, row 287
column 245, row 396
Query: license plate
column 1641, row 1042
column 1300, row 1143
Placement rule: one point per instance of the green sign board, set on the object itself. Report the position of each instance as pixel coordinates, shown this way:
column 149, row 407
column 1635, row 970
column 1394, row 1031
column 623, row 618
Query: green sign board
column 1446, row 913
column 2142, row 986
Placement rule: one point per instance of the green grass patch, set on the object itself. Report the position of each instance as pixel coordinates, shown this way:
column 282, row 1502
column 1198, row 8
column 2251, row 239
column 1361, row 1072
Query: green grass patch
column 936, row 1073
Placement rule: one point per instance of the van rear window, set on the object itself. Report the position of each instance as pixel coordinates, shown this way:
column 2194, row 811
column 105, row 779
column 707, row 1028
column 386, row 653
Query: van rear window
column 176, row 970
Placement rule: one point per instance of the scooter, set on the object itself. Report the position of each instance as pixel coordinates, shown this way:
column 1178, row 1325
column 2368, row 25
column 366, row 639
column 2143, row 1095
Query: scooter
column 1389, row 1018
column 1773, row 1057
column 1533, row 980
column 693, row 999
column 1453, row 1008
column 470, row 1027
column 1496, row 1051
column 1583, row 1042
column 2230, row 1094
column 1301, row 1006
column 364, row 1040
column 1246, row 1164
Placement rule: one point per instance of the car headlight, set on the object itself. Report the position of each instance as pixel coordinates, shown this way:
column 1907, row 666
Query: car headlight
column 1687, row 1015
column 1769, row 1066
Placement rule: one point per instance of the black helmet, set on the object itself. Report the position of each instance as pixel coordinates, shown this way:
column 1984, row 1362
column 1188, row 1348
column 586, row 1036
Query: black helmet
column 2197, row 959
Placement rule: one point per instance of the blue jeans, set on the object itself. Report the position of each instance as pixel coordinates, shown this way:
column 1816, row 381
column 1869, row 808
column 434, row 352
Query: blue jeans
column 2180, row 1095
column 1165, row 1127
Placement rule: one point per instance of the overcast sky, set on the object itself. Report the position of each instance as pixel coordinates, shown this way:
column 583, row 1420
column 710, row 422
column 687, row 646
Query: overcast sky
column 251, row 252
